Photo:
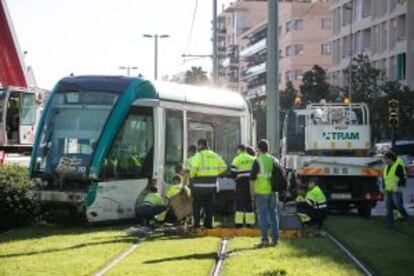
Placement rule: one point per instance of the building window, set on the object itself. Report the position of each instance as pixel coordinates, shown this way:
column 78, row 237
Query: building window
column 293, row 50
column 402, row 27
column 289, row 51
column 294, row 25
column 326, row 23
column 298, row 49
column 298, row 74
column 289, row 75
column 401, row 66
column 326, row 49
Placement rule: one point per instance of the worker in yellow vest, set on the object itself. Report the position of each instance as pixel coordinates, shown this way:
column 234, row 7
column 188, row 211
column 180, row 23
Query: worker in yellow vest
column 300, row 202
column 240, row 170
column 263, row 195
column 192, row 150
column 151, row 206
column 314, row 204
column 206, row 166
column 394, row 179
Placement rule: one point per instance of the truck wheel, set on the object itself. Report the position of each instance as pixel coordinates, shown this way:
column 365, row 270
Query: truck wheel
column 364, row 210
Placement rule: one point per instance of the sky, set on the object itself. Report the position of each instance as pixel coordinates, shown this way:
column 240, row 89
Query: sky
column 97, row 36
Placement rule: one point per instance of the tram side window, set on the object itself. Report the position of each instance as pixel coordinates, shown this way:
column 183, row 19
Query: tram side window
column 174, row 142
column 132, row 150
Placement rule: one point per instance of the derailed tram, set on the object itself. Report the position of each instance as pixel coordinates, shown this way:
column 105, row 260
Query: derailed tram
column 101, row 140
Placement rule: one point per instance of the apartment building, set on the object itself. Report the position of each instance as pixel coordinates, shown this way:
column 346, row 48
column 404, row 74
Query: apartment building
column 304, row 34
column 234, row 20
column 381, row 29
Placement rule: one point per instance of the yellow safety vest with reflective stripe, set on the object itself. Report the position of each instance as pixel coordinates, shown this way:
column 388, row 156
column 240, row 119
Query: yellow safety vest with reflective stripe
column 188, row 162
column 390, row 179
column 300, row 198
column 262, row 184
column 316, row 198
column 153, row 198
column 401, row 162
column 242, row 164
column 174, row 190
column 207, row 163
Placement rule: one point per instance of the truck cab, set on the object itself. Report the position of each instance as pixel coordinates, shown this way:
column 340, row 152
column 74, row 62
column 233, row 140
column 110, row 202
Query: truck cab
column 18, row 114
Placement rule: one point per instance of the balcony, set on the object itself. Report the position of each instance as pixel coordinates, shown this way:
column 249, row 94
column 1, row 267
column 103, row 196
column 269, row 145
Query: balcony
column 254, row 71
column 254, row 48
column 229, row 61
column 256, row 92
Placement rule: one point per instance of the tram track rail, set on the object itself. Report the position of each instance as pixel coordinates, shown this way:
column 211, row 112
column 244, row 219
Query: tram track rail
column 221, row 256
column 402, row 232
column 117, row 259
column 347, row 249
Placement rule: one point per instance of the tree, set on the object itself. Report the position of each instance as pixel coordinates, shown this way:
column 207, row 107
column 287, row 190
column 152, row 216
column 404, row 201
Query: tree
column 287, row 97
column 196, row 76
column 365, row 80
column 315, row 86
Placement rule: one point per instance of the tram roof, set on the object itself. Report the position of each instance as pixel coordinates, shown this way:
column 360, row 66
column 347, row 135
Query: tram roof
column 199, row 95
column 167, row 91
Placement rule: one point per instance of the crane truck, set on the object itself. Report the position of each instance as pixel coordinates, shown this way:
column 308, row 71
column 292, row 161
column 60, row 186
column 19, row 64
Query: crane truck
column 332, row 142
column 20, row 99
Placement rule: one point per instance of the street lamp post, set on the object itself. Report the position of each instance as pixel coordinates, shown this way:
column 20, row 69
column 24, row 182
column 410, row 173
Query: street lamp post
column 128, row 69
column 156, row 36
column 349, row 7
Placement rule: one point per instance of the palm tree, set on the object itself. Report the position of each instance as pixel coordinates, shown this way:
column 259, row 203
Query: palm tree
column 196, row 76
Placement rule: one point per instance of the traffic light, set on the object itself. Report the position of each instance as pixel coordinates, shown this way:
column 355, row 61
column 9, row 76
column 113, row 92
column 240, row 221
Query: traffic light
column 393, row 113
column 346, row 100
column 298, row 101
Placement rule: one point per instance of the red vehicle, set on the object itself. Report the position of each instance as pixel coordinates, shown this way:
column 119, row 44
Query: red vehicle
column 19, row 105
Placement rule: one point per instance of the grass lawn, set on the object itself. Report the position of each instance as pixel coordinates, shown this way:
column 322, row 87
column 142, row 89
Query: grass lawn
column 170, row 256
column 58, row 250
column 385, row 250
column 306, row 256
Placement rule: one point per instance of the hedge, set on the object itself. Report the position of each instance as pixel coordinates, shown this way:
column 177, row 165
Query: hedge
column 16, row 207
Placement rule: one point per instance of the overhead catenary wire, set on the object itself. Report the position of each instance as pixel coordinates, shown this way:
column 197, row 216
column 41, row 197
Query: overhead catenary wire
column 190, row 34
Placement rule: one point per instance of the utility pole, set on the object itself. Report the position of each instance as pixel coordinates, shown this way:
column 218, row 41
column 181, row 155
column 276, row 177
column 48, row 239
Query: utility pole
column 349, row 6
column 215, row 45
column 272, row 78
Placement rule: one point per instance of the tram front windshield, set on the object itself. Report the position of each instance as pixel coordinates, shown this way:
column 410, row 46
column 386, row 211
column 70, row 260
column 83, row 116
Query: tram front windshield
column 69, row 136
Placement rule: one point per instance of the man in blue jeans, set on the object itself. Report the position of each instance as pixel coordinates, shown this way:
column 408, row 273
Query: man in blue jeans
column 263, row 195
column 394, row 179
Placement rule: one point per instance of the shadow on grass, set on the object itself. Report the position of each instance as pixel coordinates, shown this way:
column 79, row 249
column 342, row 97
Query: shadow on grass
column 82, row 245
column 42, row 231
column 201, row 256
column 278, row 272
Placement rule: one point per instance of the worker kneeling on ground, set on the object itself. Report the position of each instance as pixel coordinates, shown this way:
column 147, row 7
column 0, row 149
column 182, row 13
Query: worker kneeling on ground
column 240, row 170
column 206, row 166
column 151, row 208
column 313, row 205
